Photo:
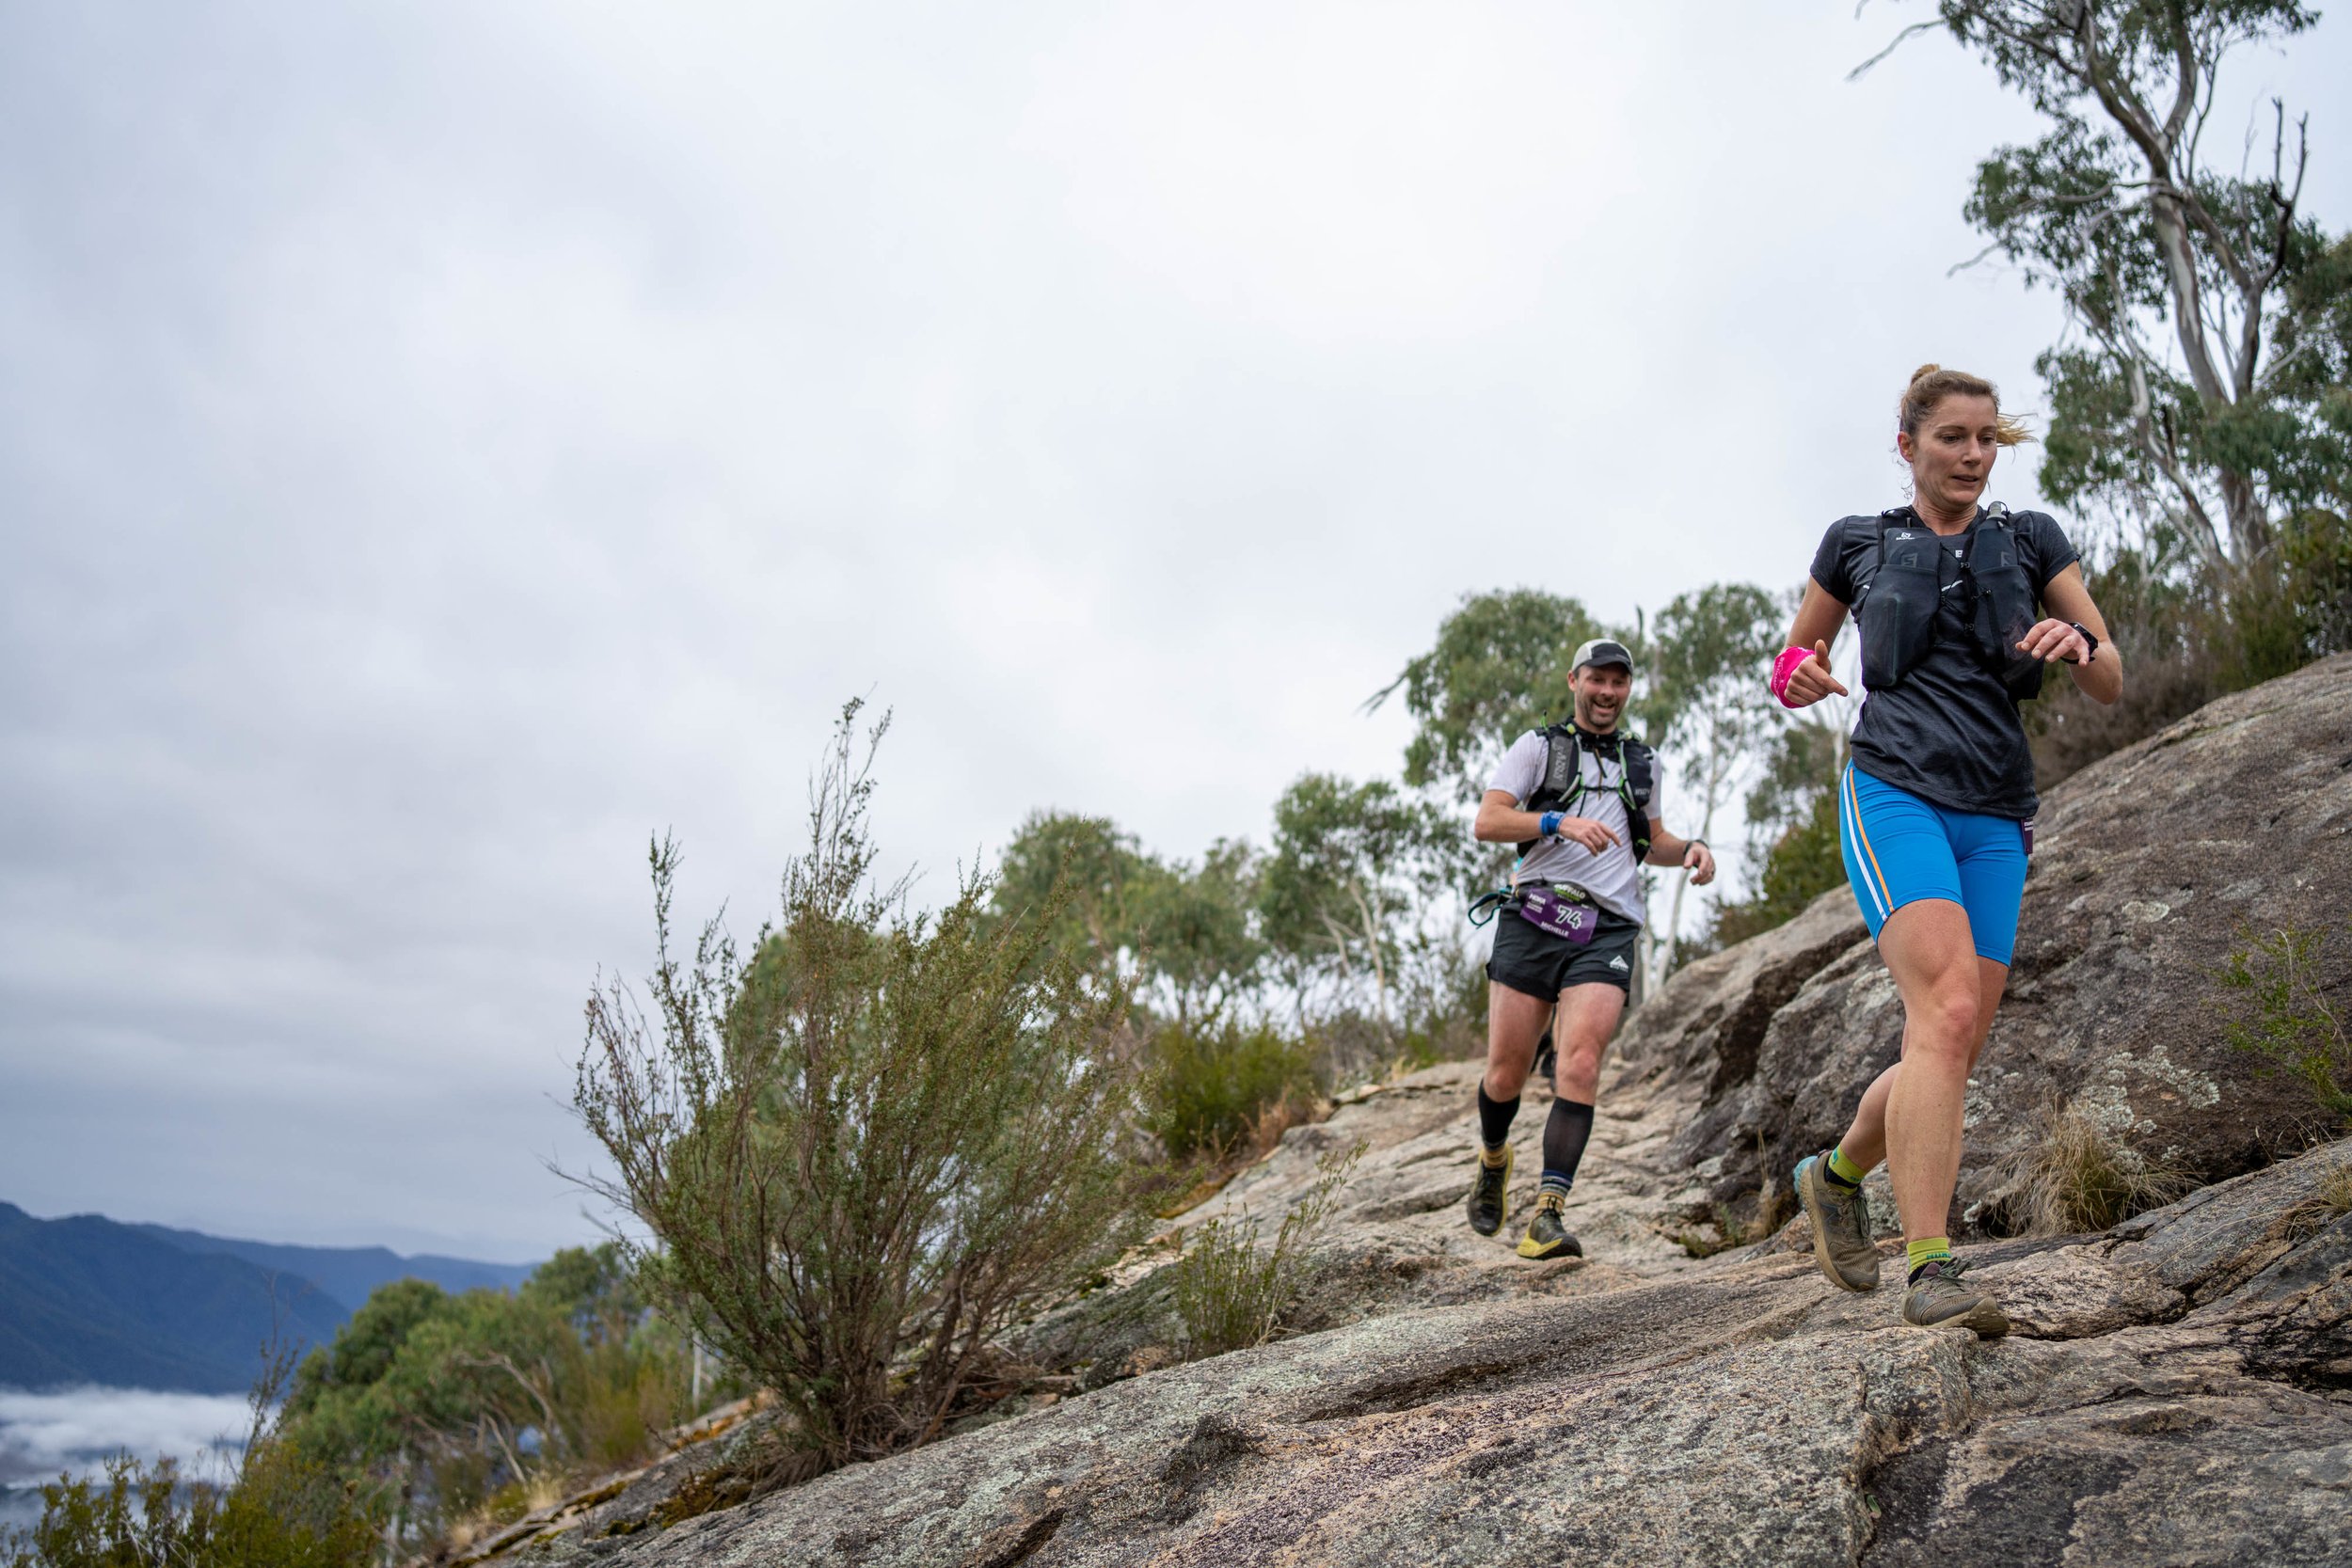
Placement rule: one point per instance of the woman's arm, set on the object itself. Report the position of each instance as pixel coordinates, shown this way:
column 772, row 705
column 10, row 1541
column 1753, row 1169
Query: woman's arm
column 1816, row 627
column 2068, row 600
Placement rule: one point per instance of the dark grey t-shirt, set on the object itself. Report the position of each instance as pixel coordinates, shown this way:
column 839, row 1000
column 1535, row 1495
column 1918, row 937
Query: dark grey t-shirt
column 1949, row 734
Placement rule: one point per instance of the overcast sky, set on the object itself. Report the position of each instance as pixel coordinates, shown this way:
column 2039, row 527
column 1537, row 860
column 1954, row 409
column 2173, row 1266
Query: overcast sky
column 442, row 444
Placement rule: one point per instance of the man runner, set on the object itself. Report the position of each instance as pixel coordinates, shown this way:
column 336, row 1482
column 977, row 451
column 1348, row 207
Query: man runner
column 1581, row 801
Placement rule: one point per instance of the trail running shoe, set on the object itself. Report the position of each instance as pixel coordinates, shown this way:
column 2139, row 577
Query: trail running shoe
column 1547, row 1237
column 1937, row 1297
column 1842, row 1226
column 1490, row 1195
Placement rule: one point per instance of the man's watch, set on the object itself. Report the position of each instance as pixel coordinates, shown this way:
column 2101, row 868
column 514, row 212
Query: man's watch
column 2091, row 643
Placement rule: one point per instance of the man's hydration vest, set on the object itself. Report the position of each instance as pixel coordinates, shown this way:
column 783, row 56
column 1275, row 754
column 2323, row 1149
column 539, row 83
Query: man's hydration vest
column 1564, row 784
column 1897, row 610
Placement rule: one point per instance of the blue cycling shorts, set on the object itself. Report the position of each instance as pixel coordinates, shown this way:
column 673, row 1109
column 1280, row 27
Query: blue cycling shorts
column 1901, row 848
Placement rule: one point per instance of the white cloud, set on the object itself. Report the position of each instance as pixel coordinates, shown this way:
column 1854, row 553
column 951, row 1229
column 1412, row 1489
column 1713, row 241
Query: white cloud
column 68, row 1430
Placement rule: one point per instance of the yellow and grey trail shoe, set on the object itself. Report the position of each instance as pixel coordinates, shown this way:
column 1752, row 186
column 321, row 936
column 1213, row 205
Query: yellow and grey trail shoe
column 1547, row 1237
column 1937, row 1297
column 1842, row 1226
column 1490, row 1195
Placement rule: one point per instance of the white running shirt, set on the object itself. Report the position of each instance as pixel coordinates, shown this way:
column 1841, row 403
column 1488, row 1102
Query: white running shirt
column 1610, row 876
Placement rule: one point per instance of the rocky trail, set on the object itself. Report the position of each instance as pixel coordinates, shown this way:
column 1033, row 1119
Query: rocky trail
column 2177, row 1389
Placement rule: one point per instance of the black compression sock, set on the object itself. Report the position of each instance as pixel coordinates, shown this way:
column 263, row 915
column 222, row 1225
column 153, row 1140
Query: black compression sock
column 1494, row 1117
column 1565, row 1132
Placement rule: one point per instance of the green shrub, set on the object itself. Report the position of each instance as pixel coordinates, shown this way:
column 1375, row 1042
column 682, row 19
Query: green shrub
column 280, row 1508
column 2278, row 1006
column 1229, row 1291
column 865, row 1150
column 422, row 1400
column 1210, row 1085
column 1804, row 863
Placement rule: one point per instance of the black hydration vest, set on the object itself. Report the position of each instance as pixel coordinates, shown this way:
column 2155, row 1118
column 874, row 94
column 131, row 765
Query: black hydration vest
column 1897, row 610
column 1564, row 783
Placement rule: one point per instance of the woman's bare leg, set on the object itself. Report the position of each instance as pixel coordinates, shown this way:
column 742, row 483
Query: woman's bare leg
column 1864, row 1142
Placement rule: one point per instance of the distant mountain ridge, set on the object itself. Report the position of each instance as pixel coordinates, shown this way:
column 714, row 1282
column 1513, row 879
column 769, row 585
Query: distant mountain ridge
column 349, row 1275
column 86, row 1299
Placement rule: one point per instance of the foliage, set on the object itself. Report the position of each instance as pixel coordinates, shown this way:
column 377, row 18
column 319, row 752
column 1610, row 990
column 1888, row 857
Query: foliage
column 1804, row 863
column 1081, row 878
column 1199, row 931
column 1709, row 649
column 1351, row 881
column 2184, row 642
column 1231, row 1292
column 2276, row 1005
column 1500, row 668
column 280, row 1508
column 430, row 1404
column 1210, row 1085
column 1185, row 935
column 860, row 1152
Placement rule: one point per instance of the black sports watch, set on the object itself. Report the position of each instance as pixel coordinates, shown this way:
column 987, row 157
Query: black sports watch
column 2090, row 642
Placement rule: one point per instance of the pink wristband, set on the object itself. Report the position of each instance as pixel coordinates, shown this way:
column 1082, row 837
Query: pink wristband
column 1784, row 666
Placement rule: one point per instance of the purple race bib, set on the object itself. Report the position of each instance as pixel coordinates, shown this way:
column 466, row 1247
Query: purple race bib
column 1547, row 911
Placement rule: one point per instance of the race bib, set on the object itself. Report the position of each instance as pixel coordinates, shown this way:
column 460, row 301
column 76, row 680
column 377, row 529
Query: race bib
column 1547, row 911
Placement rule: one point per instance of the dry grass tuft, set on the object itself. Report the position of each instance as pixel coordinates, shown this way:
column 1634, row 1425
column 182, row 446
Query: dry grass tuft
column 2079, row 1178
column 2335, row 1188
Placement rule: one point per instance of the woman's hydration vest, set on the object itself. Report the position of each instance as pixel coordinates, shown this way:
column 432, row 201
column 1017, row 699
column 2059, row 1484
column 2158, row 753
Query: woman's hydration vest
column 1564, row 783
column 1897, row 608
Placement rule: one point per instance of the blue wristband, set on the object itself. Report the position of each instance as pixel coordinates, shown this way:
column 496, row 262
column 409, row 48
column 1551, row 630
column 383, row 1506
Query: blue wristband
column 1548, row 824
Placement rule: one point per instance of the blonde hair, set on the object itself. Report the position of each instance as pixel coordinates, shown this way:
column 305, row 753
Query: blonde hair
column 1932, row 384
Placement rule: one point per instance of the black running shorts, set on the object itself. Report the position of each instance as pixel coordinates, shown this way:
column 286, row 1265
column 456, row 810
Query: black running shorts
column 1540, row 964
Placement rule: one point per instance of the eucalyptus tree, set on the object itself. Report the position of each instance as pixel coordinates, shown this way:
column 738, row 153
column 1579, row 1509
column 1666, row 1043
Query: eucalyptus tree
column 1185, row 935
column 1500, row 668
column 1355, row 872
column 2203, row 397
column 1710, row 648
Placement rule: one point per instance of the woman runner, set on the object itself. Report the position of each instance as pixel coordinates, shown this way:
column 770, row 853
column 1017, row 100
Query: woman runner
column 1961, row 609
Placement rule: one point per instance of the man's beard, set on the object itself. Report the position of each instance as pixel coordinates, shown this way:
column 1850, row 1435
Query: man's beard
column 1584, row 717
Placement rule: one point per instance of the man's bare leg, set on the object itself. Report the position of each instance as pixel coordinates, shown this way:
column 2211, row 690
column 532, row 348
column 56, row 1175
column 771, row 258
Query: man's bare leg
column 1588, row 1016
column 1515, row 1022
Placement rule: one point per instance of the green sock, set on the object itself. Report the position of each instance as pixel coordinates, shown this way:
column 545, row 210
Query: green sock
column 1844, row 1169
column 1493, row 1155
column 1927, row 1250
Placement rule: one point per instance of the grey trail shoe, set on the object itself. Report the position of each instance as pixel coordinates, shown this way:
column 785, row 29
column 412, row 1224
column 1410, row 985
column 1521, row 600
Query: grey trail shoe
column 1938, row 1297
column 1842, row 1226
column 1490, row 1195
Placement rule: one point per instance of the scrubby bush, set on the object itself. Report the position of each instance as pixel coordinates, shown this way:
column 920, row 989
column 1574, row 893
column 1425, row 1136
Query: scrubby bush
column 2277, row 1003
column 1211, row 1087
column 437, row 1408
column 864, row 1150
column 1229, row 1291
column 281, row 1508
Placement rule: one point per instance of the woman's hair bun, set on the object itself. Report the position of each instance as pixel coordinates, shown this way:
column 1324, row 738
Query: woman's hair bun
column 1932, row 384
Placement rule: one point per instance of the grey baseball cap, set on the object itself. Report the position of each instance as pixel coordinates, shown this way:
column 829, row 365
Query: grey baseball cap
column 1603, row 650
